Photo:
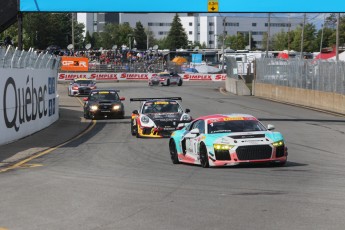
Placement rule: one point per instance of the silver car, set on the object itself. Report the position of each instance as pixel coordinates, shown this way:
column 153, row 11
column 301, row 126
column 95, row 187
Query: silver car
column 81, row 87
column 167, row 79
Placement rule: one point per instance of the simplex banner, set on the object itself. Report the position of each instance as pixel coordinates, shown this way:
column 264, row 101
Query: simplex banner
column 137, row 76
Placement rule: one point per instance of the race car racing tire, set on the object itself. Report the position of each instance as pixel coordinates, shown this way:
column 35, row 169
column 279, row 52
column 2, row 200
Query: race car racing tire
column 137, row 133
column 168, row 82
column 133, row 129
column 86, row 115
column 173, row 152
column 204, row 156
column 180, row 82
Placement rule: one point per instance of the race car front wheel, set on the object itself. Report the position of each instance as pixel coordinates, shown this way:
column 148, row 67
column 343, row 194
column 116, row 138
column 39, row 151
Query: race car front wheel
column 133, row 128
column 203, row 156
column 173, row 152
column 180, row 82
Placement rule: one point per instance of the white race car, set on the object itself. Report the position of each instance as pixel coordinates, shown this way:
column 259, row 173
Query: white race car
column 81, row 86
column 167, row 79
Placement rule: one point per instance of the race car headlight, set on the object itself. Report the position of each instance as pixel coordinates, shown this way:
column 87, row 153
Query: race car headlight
column 145, row 119
column 278, row 143
column 185, row 117
column 116, row 107
column 94, row 108
column 222, row 147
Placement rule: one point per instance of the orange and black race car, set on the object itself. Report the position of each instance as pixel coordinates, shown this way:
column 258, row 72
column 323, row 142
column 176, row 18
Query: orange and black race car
column 158, row 117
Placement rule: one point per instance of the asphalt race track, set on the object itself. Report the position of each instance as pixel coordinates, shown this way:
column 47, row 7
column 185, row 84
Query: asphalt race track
column 108, row 179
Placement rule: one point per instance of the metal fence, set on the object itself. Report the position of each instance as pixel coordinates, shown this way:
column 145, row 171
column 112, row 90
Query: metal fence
column 322, row 75
column 134, row 67
column 11, row 57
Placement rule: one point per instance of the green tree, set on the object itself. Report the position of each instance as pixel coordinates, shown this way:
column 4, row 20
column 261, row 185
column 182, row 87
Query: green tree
column 89, row 39
column 177, row 37
column 140, row 36
column 43, row 30
column 162, row 43
column 280, row 41
column 252, row 42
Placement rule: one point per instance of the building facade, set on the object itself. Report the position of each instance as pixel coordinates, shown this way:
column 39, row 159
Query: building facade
column 202, row 28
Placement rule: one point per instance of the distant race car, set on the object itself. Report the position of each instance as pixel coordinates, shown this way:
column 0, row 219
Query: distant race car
column 102, row 103
column 158, row 117
column 167, row 79
column 81, row 86
column 226, row 140
column 154, row 80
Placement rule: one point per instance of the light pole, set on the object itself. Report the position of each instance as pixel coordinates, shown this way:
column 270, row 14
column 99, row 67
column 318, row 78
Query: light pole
column 130, row 48
column 223, row 43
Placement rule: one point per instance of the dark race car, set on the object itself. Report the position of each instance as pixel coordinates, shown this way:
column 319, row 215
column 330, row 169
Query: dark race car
column 158, row 117
column 81, row 87
column 103, row 103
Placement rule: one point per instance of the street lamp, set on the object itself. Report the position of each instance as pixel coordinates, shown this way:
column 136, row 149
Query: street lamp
column 130, row 48
column 224, row 34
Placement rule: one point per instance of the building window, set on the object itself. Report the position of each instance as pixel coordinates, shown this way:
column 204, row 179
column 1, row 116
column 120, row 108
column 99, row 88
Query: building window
column 210, row 42
column 211, row 23
column 254, row 24
column 190, row 32
column 210, row 32
column 191, row 23
column 237, row 24
column 278, row 24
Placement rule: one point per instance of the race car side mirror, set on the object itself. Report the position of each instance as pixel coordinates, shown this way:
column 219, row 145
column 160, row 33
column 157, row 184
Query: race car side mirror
column 135, row 112
column 187, row 110
column 122, row 98
column 193, row 133
column 270, row 127
column 85, row 99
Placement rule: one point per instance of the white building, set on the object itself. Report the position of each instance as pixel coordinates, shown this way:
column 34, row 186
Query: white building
column 203, row 28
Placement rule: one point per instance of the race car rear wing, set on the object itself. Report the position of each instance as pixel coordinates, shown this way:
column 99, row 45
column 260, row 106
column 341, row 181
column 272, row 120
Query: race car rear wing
column 155, row 98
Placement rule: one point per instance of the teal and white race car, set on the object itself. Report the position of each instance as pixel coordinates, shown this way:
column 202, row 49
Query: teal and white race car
column 227, row 140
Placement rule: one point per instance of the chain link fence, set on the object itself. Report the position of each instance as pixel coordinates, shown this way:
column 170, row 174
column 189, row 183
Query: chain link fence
column 11, row 57
column 322, row 75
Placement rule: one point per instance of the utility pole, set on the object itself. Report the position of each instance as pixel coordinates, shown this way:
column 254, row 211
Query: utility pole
column 73, row 30
column 268, row 34
column 289, row 25
column 337, row 39
column 323, row 27
column 302, row 37
column 224, row 33
column 147, row 37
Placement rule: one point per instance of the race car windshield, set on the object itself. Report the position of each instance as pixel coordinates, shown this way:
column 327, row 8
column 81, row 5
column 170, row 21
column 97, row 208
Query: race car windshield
column 84, row 82
column 235, row 126
column 104, row 96
column 161, row 107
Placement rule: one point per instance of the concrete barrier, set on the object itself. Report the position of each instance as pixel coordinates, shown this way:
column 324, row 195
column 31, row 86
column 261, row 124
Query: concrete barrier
column 237, row 87
column 28, row 102
column 311, row 98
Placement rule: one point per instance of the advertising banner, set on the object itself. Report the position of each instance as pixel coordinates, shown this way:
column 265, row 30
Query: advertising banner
column 137, row 76
column 28, row 102
column 74, row 63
